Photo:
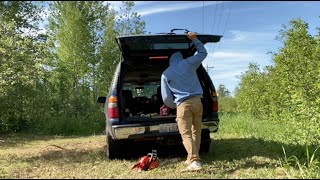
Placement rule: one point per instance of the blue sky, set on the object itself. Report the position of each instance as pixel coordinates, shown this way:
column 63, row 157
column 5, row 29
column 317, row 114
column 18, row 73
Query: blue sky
column 248, row 33
column 249, row 29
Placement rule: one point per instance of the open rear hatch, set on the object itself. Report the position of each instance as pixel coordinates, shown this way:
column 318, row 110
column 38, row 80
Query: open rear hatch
column 139, row 49
column 144, row 47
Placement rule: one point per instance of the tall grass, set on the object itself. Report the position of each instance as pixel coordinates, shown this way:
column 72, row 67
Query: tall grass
column 245, row 125
column 69, row 125
column 307, row 168
column 297, row 160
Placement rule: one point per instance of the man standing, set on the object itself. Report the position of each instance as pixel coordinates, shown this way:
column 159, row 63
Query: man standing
column 181, row 89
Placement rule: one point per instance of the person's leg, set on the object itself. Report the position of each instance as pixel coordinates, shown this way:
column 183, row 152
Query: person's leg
column 184, row 120
column 197, row 110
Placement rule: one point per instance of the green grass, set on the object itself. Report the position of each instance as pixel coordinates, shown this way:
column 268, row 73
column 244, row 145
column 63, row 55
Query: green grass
column 243, row 148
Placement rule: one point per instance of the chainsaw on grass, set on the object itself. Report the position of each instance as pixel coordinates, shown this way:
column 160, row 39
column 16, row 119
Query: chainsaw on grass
column 148, row 162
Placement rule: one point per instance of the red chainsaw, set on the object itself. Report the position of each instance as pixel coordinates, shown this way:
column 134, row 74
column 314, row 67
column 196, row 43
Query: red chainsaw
column 148, row 162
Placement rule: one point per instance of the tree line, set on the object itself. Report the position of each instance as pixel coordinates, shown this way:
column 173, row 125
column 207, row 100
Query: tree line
column 287, row 91
column 50, row 78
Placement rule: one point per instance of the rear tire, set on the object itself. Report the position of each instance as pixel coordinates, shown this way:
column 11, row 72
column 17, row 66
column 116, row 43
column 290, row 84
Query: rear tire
column 117, row 149
column 205, row 141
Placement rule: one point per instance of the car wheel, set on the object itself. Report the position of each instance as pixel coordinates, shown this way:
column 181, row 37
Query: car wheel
column 117, row 148
column 205, row 141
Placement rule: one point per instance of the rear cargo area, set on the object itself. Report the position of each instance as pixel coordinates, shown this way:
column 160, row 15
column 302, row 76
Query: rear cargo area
column 141, row 99
column 141, row 92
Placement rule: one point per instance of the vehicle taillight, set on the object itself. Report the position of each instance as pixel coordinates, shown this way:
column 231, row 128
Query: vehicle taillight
column 215, row 106
column 113, row 107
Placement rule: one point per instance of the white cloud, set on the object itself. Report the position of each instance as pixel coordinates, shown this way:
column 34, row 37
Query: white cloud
column 169, row 6
column 227, row 65
column 153, row 7
column 231, row 55
column 227, row 75
column 247, row 10
column 249, row 37
column 232, row 58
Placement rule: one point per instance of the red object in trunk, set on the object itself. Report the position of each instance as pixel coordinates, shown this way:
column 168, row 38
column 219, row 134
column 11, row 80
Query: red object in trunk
column 164, row 110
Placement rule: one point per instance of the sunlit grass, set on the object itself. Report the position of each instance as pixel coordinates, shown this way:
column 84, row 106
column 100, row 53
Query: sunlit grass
column 242, row 148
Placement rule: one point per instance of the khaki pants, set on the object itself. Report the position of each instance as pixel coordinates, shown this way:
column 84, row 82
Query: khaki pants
column 189, row 120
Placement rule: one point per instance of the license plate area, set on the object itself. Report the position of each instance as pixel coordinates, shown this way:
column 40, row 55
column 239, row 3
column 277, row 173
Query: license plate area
column 169, row 127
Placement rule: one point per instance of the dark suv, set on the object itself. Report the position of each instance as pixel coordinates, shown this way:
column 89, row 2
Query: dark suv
column 132, row 106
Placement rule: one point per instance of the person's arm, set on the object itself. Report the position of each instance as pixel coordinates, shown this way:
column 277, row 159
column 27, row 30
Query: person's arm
column 166, row 93
column 197, row 59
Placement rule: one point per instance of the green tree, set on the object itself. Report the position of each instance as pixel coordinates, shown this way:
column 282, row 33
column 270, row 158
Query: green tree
column 296, row 65
column 49, row 82
column 85, row 54
column 289, row 90
column 117, row 23
column 223, row 91
column 109, row 54
column 227, row 103
column 75, row 28
column 248, row 93
column 128, row 22
column 297, row 74
column 22, row 54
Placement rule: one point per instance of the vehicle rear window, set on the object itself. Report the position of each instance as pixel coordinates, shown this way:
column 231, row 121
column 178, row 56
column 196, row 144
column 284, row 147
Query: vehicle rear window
column 139, row 90
column 171, row 46
column 157, row 46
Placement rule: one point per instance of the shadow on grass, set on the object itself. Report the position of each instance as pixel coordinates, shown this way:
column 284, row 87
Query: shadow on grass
column 56, row 155
column 266, row 153
column 64, row 156
column 17, row 139
column 221, row 151
column 239, row 148
column 230, row 150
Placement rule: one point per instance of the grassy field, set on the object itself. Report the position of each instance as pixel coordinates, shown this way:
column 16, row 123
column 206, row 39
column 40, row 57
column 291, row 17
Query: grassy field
column 243, row 148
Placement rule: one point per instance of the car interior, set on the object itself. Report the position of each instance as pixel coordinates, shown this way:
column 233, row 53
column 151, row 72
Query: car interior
column 141, row 90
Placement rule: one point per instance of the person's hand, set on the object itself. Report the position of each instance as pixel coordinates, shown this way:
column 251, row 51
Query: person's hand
column 191, row 35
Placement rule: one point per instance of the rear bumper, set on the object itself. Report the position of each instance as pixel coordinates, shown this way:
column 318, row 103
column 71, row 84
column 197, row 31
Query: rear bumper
column 136, row 131
column 213, row 126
